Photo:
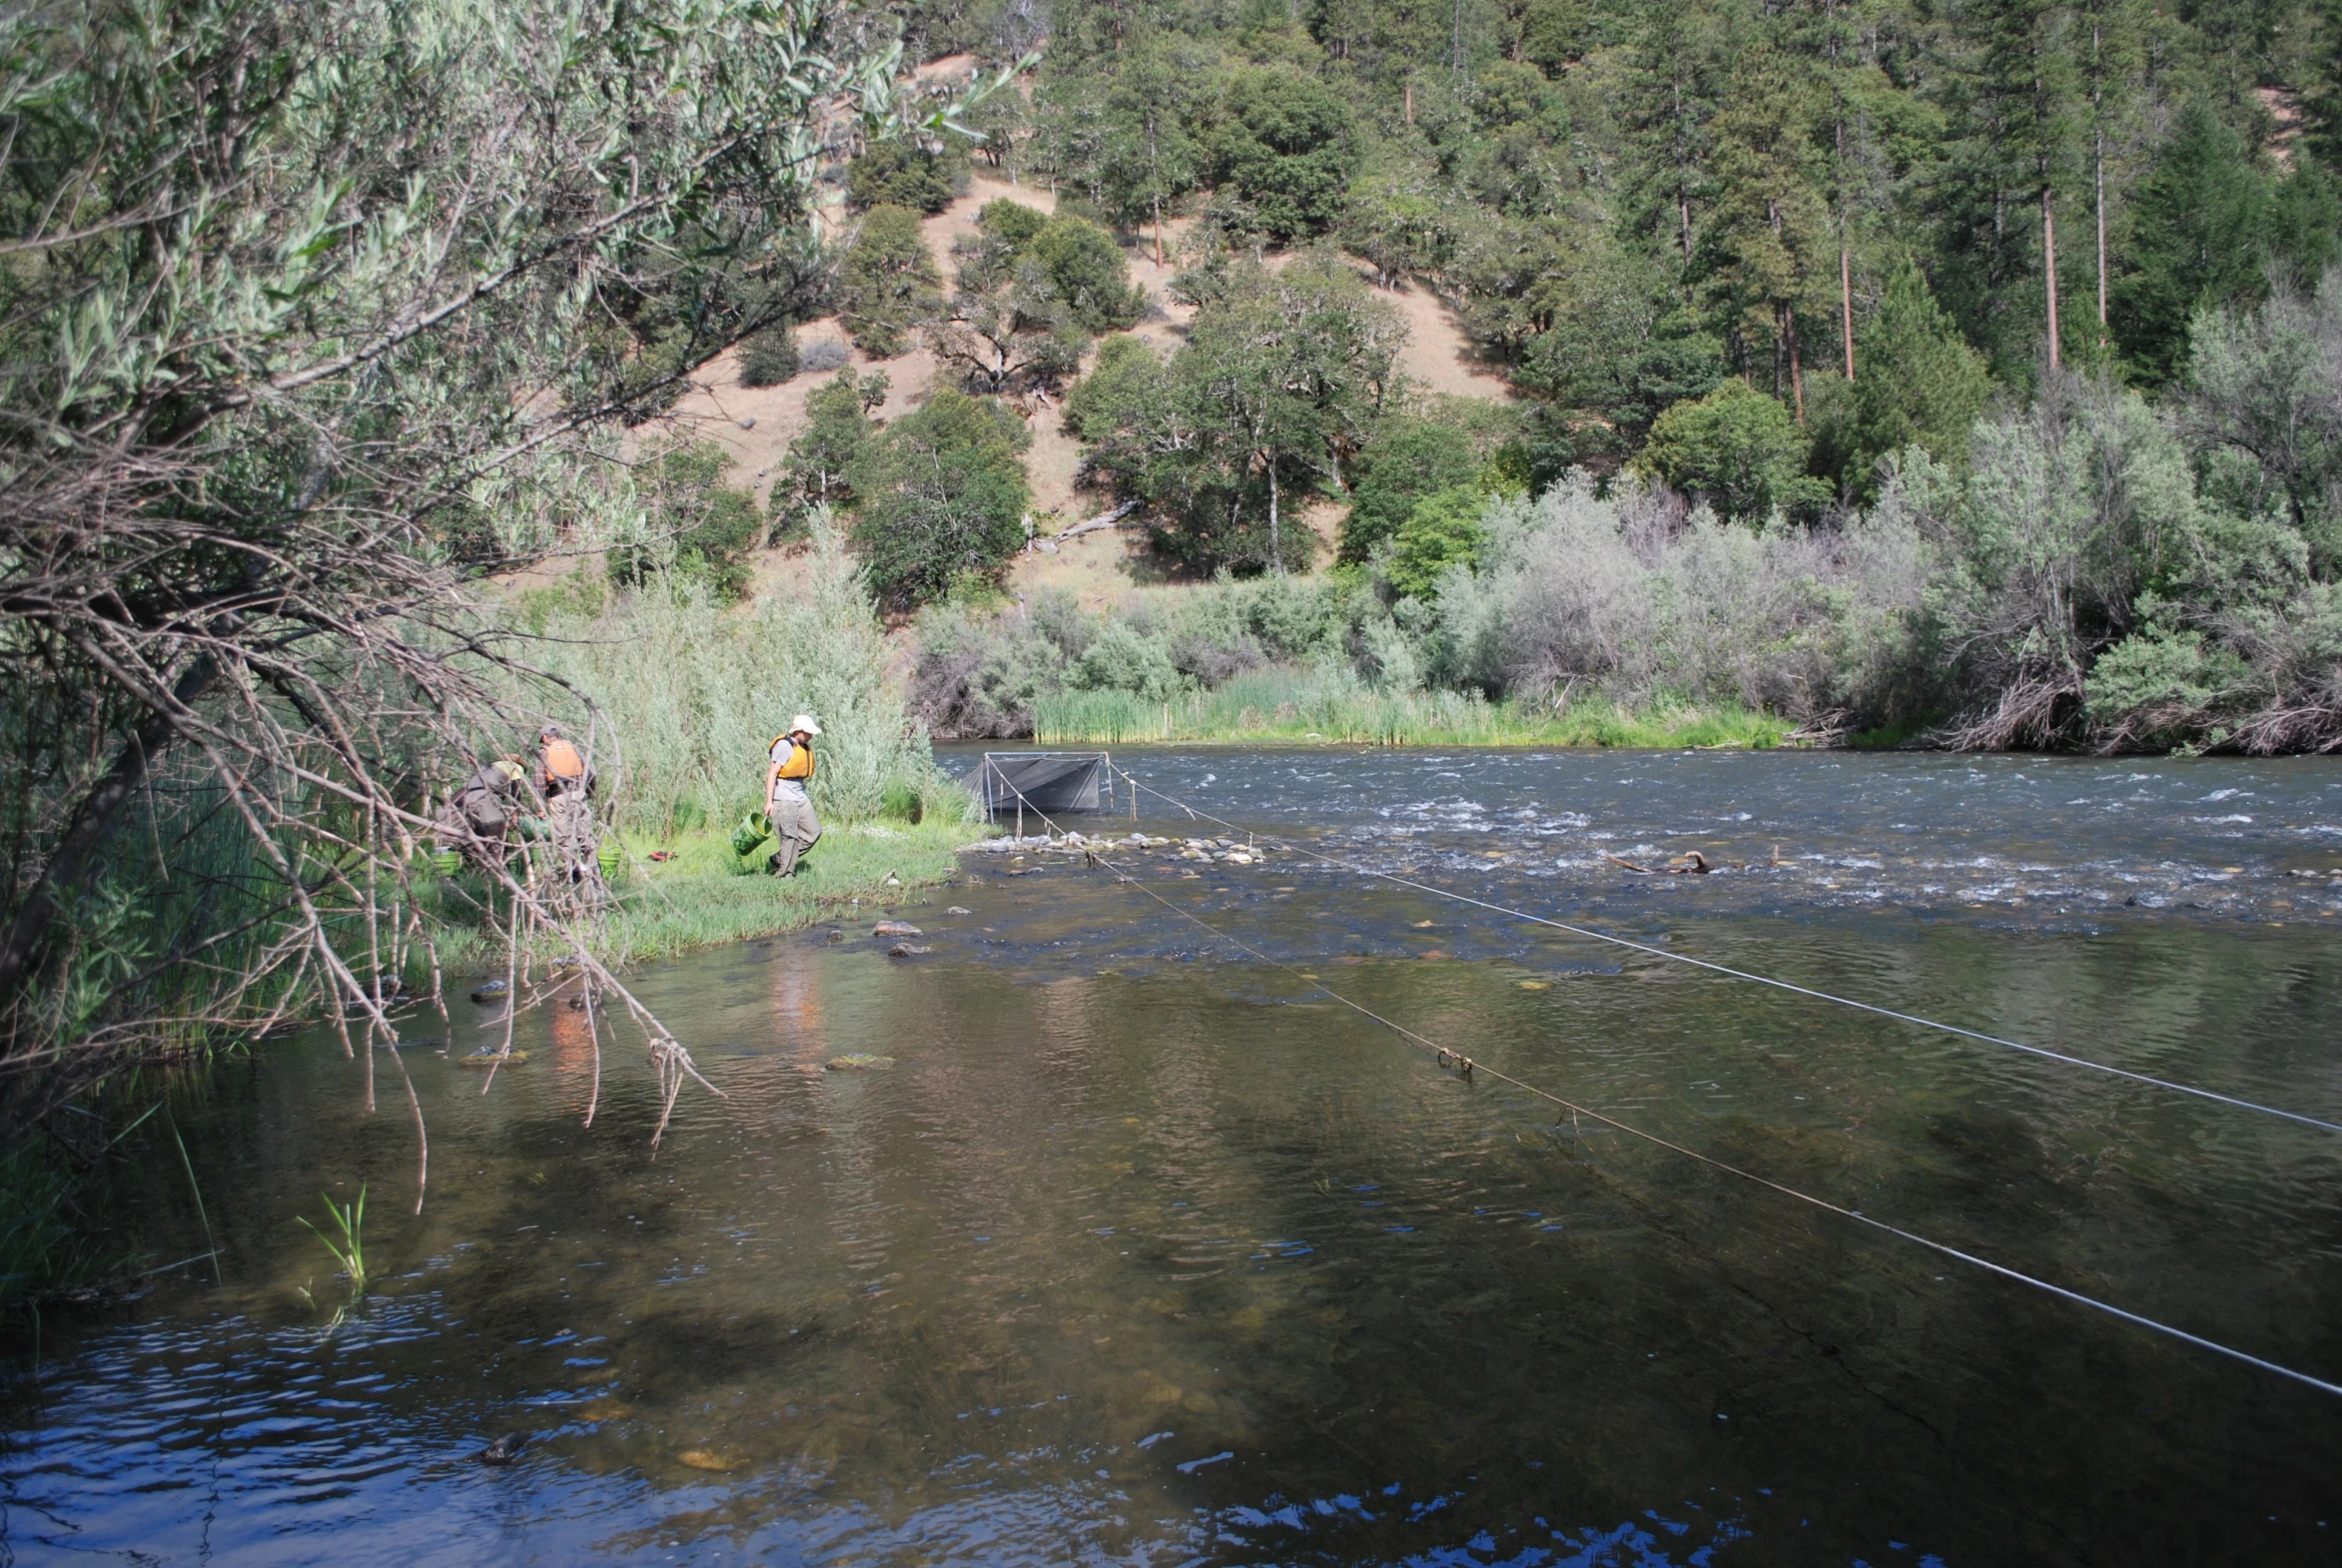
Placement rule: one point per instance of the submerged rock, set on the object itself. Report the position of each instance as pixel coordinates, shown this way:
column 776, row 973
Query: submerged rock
column 490, row 1055
column 858, row 1061
column 491, row 991
column 504, row 1449
column 956, row 910
column 907, row 950
column 895, row 928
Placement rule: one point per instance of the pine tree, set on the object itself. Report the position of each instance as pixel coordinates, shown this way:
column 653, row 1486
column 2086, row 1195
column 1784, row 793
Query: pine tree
column 1150, row 157
column 1766, row 242
column 1670, row 101
column 1920, row 384
column 2013, row 164
column 2199, row 240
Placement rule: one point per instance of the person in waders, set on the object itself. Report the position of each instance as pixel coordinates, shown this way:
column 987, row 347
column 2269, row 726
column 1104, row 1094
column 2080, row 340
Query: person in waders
column 478, row 817
column 786, row 806
column 565, row 784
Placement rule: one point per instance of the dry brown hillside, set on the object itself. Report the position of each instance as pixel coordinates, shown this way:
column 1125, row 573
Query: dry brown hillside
column 756, row 424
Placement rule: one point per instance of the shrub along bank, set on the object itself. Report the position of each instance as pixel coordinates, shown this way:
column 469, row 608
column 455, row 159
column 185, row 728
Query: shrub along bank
column 2096, row 571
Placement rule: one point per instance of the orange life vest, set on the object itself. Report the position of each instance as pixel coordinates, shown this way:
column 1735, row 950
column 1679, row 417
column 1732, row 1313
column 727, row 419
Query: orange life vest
column 800, row 763
column 562, row 760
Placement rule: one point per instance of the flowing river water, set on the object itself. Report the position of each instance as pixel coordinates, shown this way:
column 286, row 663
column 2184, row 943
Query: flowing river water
column 1136, row 1248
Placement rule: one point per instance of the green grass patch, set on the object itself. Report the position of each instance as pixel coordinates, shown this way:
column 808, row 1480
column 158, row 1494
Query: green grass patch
column 705, row 895
column 1287, row 708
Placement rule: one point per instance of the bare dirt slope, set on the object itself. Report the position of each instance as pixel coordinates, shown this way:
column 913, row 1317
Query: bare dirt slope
column 1438, row 356
column 756, row 424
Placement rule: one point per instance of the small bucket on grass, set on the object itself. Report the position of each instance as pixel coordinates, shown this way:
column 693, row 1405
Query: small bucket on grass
column 753, row 830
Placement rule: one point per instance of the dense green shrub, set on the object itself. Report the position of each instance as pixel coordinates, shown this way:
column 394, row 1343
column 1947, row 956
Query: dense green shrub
column 837, row 426
column 887, row 284
column 1408, row 459
column 1085, row 274
column 940, row 498
column 1011, row 223
column 1442, row 531
column 900, row 174
column 768, row 358
column 700, row 528
column 1286, row 145
column 1738, row 450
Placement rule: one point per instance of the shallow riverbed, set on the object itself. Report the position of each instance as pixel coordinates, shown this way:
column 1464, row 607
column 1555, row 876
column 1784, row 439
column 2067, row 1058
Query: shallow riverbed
column 1129, row 1246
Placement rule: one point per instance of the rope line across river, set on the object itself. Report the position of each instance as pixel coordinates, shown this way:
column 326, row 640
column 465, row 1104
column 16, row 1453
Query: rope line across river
column 1467, row 1066
column 1762, row 980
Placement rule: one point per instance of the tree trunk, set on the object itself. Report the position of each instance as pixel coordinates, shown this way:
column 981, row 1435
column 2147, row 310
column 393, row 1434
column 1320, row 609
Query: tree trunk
column 1780, row 348
column 1846, row 308
column 2100, row 159
column 91, row 822
column 2049, row 270
column 1796, row 375
column 1155, row 186
column 1275, row 553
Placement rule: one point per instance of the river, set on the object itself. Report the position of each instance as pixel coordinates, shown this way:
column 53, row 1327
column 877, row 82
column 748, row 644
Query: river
column 1135, row 1247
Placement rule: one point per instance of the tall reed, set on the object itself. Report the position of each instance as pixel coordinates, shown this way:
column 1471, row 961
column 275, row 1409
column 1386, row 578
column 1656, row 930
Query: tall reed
column 695, row 692
column 1283, row 703
column 350, row 1251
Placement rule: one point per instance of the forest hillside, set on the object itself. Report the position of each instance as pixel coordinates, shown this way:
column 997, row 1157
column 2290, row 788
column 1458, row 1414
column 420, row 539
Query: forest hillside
column 1960, row 371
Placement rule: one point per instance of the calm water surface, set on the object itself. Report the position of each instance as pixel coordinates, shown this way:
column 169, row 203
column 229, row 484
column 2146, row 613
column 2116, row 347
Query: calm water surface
column 1143, row 1252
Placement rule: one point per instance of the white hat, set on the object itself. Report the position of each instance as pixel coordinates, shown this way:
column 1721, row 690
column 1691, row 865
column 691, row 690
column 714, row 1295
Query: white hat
column 804, row 721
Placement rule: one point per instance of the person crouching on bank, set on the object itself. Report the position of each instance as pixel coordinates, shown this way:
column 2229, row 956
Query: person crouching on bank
column 786, row 806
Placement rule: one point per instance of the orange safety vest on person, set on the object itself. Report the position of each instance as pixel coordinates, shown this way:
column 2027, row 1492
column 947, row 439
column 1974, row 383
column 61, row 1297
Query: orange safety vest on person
column 800, row 763
column 562, row 760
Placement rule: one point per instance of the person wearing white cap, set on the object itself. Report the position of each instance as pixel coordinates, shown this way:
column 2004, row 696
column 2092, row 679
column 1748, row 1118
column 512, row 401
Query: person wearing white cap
column 786, row 806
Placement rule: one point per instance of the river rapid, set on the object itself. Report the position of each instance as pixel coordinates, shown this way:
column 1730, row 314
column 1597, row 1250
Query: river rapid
column 1091, row 1236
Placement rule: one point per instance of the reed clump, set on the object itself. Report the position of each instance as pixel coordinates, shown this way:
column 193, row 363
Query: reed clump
column 1287, row 707
column 349, row 1219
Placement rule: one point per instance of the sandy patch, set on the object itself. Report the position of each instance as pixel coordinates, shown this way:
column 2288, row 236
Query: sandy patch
column 756, row 424
column 1438, row 356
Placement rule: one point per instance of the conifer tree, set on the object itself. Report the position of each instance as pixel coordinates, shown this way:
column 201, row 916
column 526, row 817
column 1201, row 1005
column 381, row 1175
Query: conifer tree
column 1921, row 385
column 2199, row 240
column 1671, row 90
column 1150, row 157
column 1766, row 241
column 2013, row 164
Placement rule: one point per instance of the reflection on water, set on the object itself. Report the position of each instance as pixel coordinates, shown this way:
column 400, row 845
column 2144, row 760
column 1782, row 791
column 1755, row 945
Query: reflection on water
column 1138, row 1252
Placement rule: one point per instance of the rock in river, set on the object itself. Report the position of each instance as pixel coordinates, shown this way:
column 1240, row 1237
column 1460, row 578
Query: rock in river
column 895, row 928
column 504, row 1449
column 857, row 1062
column 490, row 1055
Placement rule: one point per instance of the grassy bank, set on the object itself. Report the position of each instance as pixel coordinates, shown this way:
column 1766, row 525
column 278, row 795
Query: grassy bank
column 705, row 896
column 1273, row 708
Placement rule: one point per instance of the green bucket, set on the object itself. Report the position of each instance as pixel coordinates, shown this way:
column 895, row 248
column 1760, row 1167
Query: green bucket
column 607, row 856
column 753, row 830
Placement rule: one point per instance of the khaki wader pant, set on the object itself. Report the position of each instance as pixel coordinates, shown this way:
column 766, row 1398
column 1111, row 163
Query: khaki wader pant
column 795, row 828
column 569, row 815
